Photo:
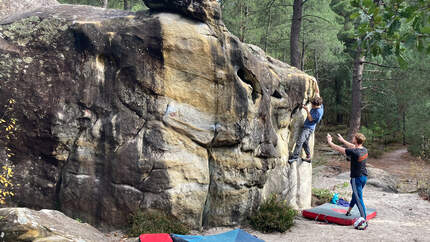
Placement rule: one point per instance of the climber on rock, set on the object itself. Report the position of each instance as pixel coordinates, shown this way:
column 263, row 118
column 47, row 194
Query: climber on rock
column 314, row 116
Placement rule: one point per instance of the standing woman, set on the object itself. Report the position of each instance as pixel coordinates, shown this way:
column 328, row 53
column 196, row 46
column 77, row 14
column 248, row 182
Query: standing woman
column 358, row 156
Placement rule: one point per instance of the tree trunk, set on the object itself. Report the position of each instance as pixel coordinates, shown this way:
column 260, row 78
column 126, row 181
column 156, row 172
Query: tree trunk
column 302, row 55
column 316, row 64
column 404, row 127
column 296, row 24
column 357, row 75
column 105, row 3
column 126, row 5
column 338, row 82
column 269, row 23
column 243, row 15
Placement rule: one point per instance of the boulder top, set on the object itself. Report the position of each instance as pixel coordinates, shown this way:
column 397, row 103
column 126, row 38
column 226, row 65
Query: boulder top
column 208, row 11
column 12, row 7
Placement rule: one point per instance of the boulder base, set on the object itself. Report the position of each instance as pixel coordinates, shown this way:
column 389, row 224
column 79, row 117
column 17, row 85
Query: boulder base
column 23, row 224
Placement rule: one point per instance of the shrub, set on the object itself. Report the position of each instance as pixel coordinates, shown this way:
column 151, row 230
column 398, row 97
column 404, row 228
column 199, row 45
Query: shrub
column 425, row 192
column 320, row 196
column 424, row 188
column 147, row 222
column 8, row 129
column 273, row 216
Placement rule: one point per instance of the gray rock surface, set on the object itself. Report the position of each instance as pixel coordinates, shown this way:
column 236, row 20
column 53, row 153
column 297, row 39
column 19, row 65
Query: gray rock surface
column 378, row 178
column 23, row 224
column 12, row 7
column 122, row 111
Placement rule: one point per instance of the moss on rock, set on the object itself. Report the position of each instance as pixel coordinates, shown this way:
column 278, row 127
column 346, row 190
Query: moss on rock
column 34, row 29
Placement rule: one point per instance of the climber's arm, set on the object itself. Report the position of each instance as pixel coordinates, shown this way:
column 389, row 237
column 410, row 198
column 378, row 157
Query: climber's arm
column 308, row 113
column 346, row 143
column 317, row 89
column 334, row 146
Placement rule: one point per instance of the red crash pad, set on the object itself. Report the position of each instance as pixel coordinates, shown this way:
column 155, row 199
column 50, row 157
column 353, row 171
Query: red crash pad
column 333, row 213
column 155, row 238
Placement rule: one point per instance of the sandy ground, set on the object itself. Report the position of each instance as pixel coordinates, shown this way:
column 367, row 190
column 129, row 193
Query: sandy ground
column 400, row 216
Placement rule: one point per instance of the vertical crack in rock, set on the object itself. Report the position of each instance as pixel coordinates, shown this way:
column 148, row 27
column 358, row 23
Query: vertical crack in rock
column 62, row 170
column 207, row 204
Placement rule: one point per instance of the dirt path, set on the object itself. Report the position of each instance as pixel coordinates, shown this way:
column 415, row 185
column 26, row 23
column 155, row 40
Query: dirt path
column 400, row 163
column 400, row 216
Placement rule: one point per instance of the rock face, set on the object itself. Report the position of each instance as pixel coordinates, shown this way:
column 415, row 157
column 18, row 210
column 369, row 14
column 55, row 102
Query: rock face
column 122, row 111
column 382, row 179
column 10, row 7
column 23, row 224
column 378, row 178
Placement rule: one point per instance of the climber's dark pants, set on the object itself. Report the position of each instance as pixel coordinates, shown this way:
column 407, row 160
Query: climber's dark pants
column 303, row 142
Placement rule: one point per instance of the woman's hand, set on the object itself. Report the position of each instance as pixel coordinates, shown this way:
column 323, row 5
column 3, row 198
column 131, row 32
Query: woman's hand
column 305, row 108
column 329, row 138
column 340, row 138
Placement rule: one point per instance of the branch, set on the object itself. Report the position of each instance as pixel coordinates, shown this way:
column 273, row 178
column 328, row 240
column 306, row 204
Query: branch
column 266, row 8
column 284, row 5
column 304, row 1
column 373, row 71
column 365, row 106
column 315, row 16
column 394, row 67
column 383, row 79
column 271, row 3
column 380, row 65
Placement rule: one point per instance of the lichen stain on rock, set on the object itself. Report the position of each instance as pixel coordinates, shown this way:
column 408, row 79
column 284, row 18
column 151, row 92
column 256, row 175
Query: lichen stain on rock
column 100, row 67
column 45, row 30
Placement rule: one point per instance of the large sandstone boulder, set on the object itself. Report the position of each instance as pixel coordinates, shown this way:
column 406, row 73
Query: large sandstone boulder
column 23, row 224
column 122, row 111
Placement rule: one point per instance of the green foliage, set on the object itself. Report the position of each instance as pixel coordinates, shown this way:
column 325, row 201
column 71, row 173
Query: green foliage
column 323, row 195
column 273, row 216
column 133, row 5
column 392, row 33
column 267, row 23
column 395, row 104
column 384, row 28
column 155, row 222
column 419, row 132
column 8, row 129
column 138, row 6
column 424, row 190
